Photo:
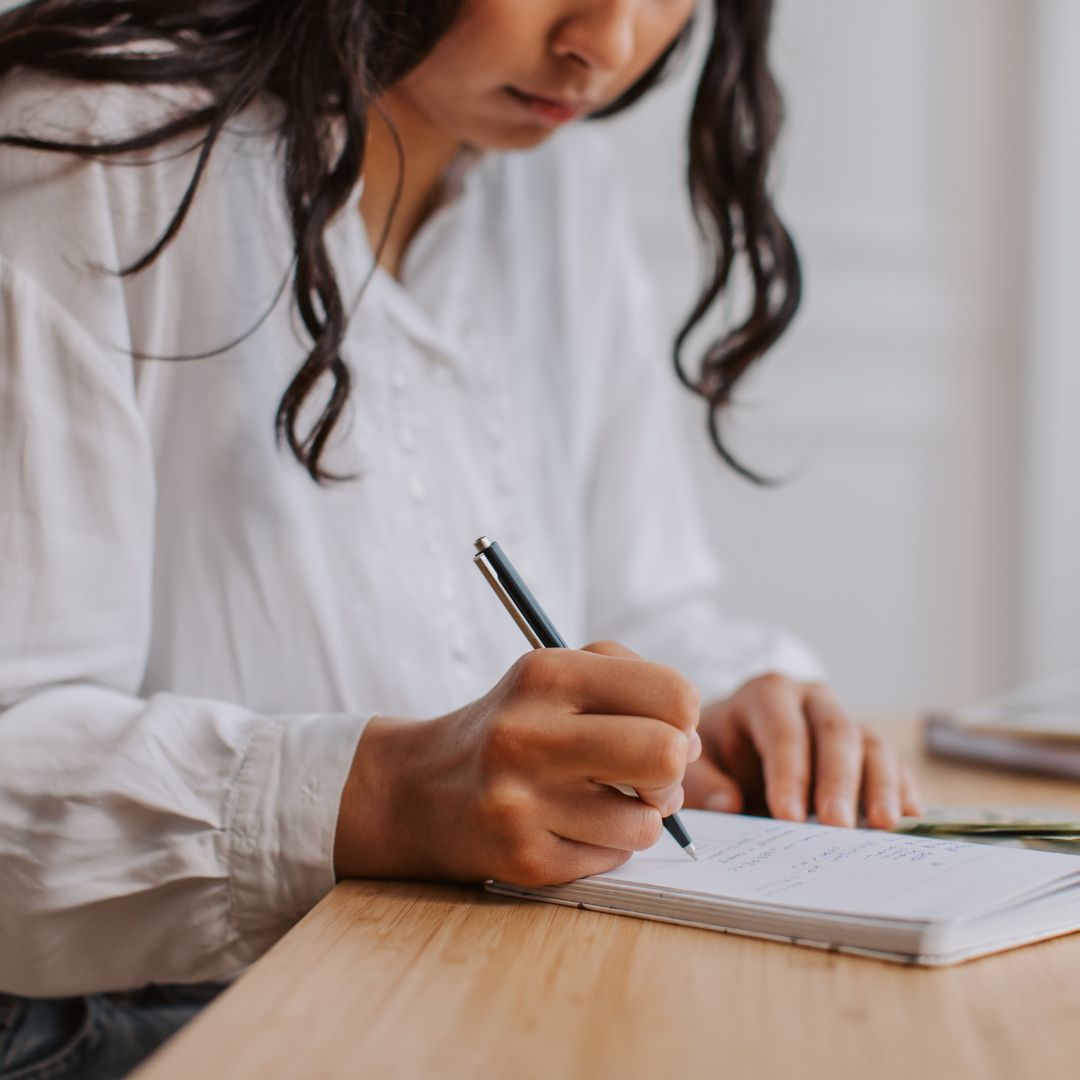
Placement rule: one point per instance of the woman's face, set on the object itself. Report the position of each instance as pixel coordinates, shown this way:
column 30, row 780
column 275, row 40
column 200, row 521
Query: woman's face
column 512, row 71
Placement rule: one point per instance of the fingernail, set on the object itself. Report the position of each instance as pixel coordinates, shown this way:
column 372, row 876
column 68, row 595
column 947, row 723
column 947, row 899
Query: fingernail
column 884, row 814
column 695, row 746
column 839, row 812
column 792, row 809
column 722, row 802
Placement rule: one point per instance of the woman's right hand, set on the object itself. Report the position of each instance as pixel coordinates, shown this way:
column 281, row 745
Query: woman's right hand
column 517, row 785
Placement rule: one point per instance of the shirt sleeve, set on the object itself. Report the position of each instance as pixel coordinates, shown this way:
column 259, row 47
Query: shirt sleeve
column 654, row 578
column 164, row 839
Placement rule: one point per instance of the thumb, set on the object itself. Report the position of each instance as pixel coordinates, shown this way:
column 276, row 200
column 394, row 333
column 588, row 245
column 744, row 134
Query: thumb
column 709, row 788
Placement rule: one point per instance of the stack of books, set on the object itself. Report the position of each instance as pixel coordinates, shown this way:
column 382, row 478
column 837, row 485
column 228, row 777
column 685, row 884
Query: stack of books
column 1034, row 730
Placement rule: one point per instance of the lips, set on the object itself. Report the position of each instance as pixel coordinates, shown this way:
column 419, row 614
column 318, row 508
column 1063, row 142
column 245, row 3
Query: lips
column 548, row 109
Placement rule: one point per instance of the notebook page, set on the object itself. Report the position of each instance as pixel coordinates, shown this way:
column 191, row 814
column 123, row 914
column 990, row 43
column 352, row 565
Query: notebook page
column 855, row 872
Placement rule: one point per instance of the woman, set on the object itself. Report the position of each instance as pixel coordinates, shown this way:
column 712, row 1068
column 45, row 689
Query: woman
column 232, row 671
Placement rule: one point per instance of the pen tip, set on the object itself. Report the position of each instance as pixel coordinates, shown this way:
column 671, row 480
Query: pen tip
column 691, row 851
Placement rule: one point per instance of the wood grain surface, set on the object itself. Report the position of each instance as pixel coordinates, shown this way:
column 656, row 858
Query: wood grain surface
column 387, row 979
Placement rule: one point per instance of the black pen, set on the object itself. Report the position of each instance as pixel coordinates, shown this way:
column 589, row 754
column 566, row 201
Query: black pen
column 541, row 633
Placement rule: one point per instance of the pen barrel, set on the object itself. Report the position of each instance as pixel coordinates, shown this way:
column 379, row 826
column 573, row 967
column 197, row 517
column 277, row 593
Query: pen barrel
column 526, row 603
column 678, row 832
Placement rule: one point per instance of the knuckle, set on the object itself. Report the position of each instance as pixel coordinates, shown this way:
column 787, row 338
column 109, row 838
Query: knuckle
column 787, row 738
column 788, row 770
column 504, row 744
column 685, row 698
column 506, row 809
column 795, row 779
column 772, row 682
column 669, row 753
column 645, row 831
column 874, row 743
column 835, row 725
column 673, row 697
column 538, row 672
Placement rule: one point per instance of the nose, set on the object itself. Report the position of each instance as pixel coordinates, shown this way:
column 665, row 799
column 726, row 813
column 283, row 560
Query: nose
column 599, row 34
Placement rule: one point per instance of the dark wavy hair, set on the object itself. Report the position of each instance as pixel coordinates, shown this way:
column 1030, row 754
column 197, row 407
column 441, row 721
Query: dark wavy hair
column 326, row 62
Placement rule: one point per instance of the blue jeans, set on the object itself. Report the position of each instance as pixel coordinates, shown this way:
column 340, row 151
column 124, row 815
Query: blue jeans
column 99, row 1037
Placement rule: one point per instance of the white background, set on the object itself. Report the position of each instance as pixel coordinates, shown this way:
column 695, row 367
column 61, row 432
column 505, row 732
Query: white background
column 928, row 541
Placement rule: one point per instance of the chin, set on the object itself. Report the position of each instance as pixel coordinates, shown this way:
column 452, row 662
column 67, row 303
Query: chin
column 523, row 137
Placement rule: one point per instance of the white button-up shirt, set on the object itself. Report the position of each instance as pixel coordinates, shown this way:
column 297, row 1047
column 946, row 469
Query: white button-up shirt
column 192, row 633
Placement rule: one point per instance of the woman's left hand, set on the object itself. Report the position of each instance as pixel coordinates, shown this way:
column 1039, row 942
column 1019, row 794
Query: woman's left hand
column 789, row 747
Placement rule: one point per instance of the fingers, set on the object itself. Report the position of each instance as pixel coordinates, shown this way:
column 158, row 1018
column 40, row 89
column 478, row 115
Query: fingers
column 566, row 722
column 632, row 750
column 910, row 799
column 797, row 738
column 706, row 786
column 547, row 859
column 881, row 784
column 594, row 681
column 774, row 716
column 605, row 818
column 576, row 860
column 560, row 860
column 838, row 755
column 584, row 831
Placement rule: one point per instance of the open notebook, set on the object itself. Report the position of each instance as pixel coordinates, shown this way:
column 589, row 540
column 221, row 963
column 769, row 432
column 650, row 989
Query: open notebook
column 905, row 898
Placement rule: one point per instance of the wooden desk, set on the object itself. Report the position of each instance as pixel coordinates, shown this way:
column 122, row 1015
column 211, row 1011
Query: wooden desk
column 418, row 981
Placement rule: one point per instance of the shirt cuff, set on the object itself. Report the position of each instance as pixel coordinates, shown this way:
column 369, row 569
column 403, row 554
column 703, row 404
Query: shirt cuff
column 282, row 819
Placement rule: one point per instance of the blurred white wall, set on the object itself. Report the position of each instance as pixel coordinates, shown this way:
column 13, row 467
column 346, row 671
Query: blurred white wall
column 926, row 543
column 1050, row 500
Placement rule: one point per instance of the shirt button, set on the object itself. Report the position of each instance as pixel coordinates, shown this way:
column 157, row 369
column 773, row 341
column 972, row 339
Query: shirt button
column 406, row 438
column 417, row 489
column 398, row 380
column 458, row 646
